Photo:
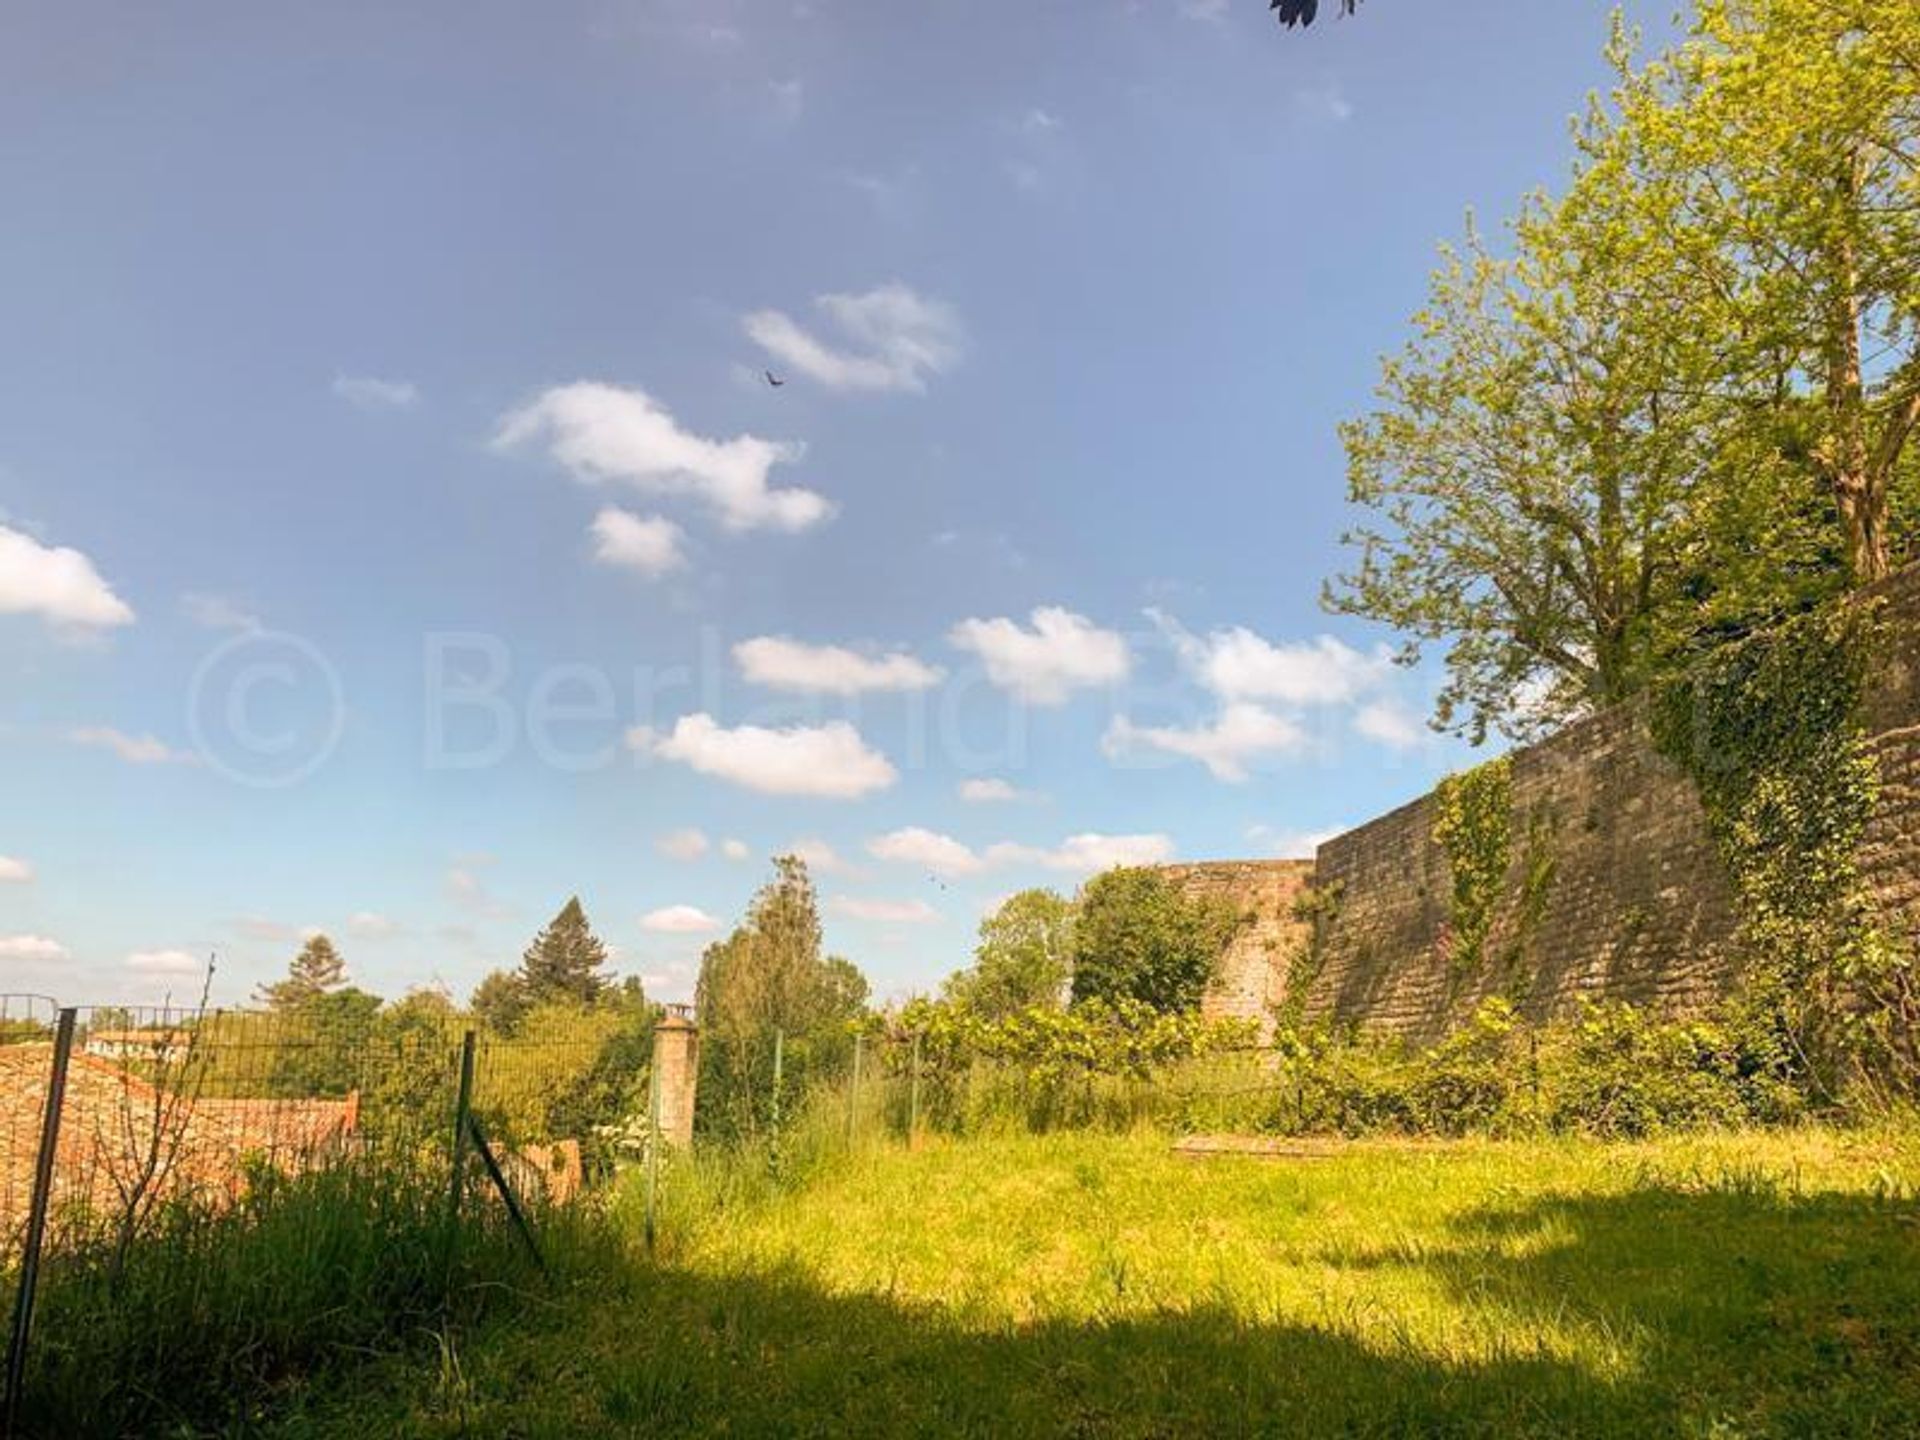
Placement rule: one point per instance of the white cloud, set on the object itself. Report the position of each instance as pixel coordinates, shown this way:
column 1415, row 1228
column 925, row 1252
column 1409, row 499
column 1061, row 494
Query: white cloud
column 466, row 889
column 607, row 433
column 31, row 947
column 1209, row 10
column 216, row 612
column 735, row 849
column 14, row 872
column 1063, row 652
column 259, row 927
column 650, row 544
column 1391, row 724
column 782, row 664
column 829, row 761
column 789, row 99
column 679, row 920
column 1240, row 734
column 818, row 856
column 57, row 584
column 1290, row 844
column 885, row 912
column 897, row 340
column 1039, row 121
column 989, row 791
column 371, row 393
column 134, row 749
column 942, row 854
column 1237, row 664
column 166, row 962
column 688, row 844
column 371, row 925
column 1325, row 103
column 1088, row 853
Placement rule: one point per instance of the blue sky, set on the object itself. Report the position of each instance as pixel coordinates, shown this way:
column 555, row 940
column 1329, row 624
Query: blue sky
column 397, row 533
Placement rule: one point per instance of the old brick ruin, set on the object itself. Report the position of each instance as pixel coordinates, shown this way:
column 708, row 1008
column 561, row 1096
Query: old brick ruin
column 1614, row 887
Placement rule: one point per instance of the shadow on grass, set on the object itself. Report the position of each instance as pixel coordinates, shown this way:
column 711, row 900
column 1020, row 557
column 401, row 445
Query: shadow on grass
column 1737, row 1314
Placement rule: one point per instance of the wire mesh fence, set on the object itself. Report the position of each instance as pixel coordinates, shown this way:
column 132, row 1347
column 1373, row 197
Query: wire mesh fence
column 814, row 1095
column 149, row 1139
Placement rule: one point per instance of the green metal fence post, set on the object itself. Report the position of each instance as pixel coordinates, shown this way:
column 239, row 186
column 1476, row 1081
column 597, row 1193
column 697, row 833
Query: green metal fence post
column 37, row 1215
column 913, row 1096
column 653, row 1148
column 853, row 1097
column 457, row 1181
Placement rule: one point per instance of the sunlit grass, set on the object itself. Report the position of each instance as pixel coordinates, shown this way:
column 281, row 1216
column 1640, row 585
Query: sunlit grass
column 1741, row 1284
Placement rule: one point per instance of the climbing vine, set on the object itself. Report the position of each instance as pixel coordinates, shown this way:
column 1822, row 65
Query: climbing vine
column 1473, row 825
column 1315, row 908
column 1770, row 731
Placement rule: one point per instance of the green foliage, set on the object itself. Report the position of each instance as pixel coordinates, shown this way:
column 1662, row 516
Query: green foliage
column 768, row 978
column 316, row 971
column 566, row 960
column 1024, row 958
column 499, row 1001
column 1769, row 729
column 1473, row 824
column 220, row 1313
column 1682, row 400
column 1137, row 937
column 322, row 1044
column 1045, row 1067
column 568, row 1071
column 1609, row 1070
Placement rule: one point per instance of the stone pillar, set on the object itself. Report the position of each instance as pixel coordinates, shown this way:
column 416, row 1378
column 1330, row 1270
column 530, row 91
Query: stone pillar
column 676, row 1063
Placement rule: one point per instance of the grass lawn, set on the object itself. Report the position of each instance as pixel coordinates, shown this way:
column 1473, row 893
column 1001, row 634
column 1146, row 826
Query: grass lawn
column 1081, row 1285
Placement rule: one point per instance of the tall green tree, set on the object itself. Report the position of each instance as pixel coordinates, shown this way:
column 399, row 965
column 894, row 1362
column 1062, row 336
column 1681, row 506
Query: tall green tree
column 769, row 977
column 1024, row 959
column 1680, row 402
column 566, row 960
column 1138, row 937
column 316, row 971
column 1782, row 138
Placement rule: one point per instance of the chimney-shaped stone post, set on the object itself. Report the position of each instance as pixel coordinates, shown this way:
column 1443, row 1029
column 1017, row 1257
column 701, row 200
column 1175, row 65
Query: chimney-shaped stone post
column 676, row 1063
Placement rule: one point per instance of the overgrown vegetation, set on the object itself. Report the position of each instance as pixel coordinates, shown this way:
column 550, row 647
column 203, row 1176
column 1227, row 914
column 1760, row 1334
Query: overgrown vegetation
column 222, row 1313
column 1473, row 826
column 1770, row 730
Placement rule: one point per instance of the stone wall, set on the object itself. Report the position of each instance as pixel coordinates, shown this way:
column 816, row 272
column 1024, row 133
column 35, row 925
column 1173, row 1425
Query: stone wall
column 1253, row 970
column 1636, row 903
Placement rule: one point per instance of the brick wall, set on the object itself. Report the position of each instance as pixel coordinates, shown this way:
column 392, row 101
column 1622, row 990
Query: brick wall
column 1637, row 908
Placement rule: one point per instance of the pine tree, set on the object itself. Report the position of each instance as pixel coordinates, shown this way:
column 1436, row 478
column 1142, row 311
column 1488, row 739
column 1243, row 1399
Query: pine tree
column 316, row 971
column 565, row 959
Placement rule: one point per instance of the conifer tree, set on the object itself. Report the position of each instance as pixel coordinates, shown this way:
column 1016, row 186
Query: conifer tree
column 316, row 971
column 564, row 962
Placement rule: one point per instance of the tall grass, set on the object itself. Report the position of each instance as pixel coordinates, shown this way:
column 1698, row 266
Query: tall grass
column 216, row 1314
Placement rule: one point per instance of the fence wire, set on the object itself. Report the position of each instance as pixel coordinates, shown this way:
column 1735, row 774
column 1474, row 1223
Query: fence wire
column 173, row 1125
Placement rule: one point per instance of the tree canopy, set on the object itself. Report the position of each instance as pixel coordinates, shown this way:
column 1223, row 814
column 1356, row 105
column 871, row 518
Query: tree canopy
column 316, row 971
column 1137, row 937
column 1024, row 959
column 566, row 960
column 1678, row 401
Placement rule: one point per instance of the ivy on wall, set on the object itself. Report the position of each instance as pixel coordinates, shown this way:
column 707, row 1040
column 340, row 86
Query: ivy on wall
column 1770, row 731
column 1316, row 907
column 1473, row 825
